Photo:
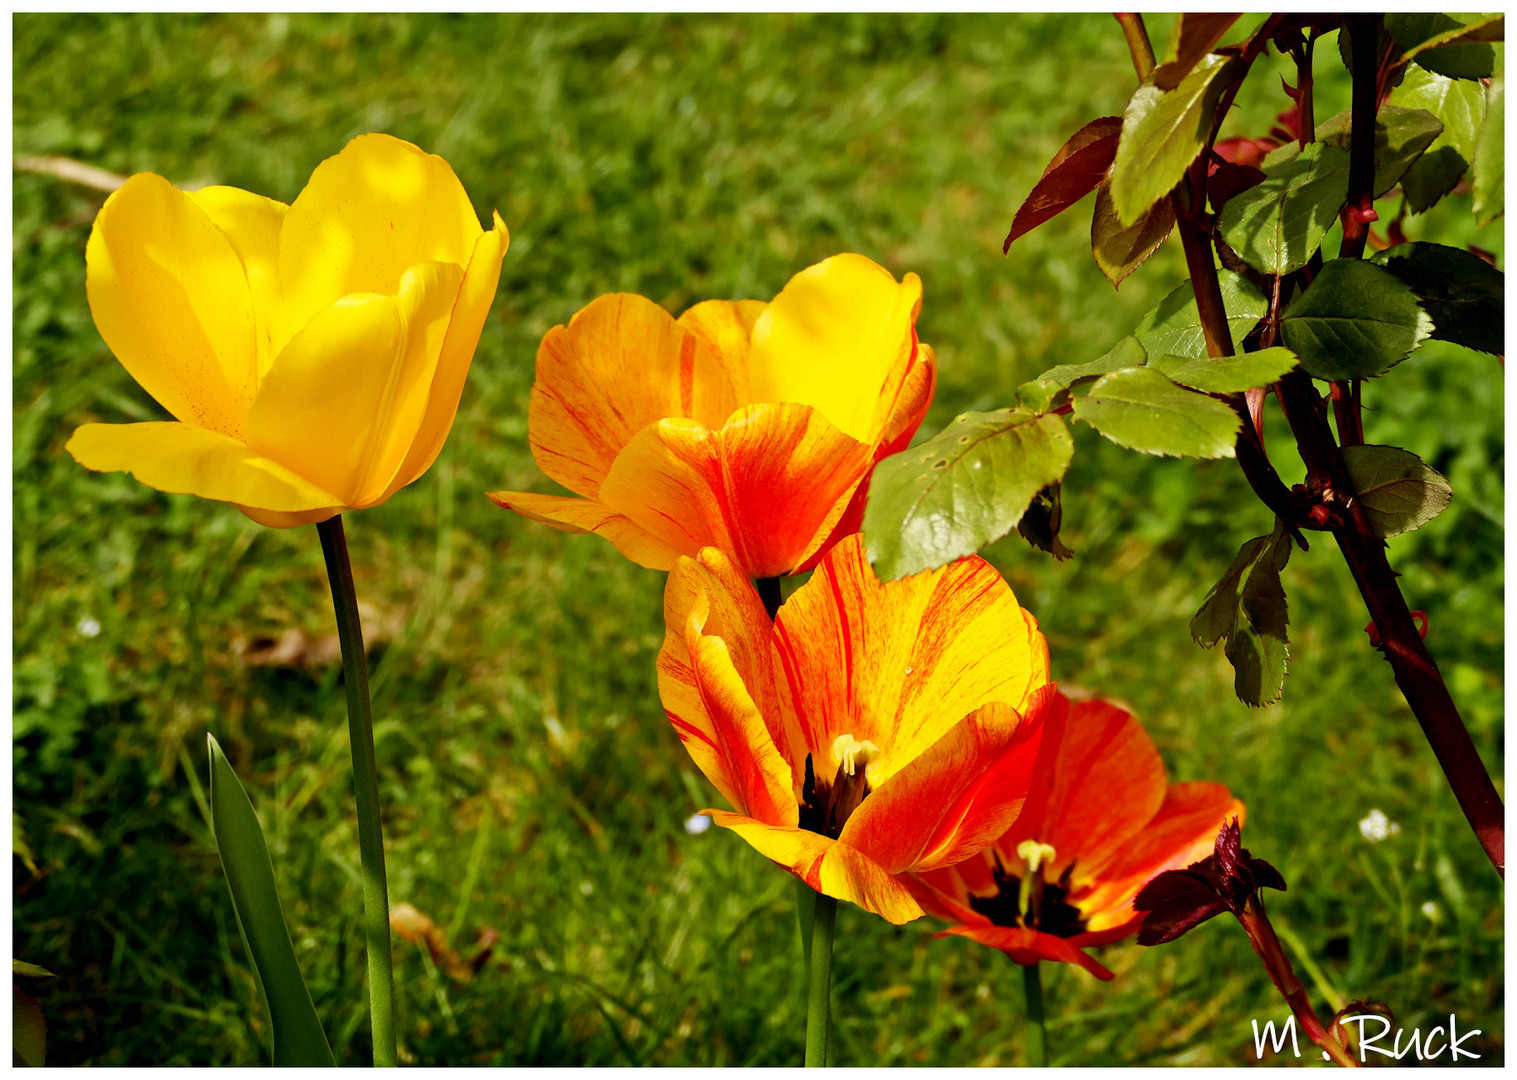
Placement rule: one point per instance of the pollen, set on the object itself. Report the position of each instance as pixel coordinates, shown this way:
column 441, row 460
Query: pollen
column 1035, row 854
column 852, row 755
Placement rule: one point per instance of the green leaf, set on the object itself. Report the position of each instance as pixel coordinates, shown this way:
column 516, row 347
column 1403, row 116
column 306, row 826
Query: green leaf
column 1040, row 523
column 1452, row 45
column 1040, row 392
column 1275, row 225
column 1356, row 321
column 1459, row 106
column 1464, row 295
column 1163, row 131
column 1174, row 325
column 28, row 1031
column 1141, row 409
column 964, row 487
column 1397, row 490
column 32, row 971
column 1247, row 607
column 1119, row 249
column 1490, row 156
column 1229, row 375
column 297, row 1033
column 1401, row 137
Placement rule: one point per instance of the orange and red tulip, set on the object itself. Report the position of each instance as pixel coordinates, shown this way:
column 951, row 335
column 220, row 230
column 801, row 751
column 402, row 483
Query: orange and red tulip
column 744, row 426
column 875, row 728
column 1100, row 821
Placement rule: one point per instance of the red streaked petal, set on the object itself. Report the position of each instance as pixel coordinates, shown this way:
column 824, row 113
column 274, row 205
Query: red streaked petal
column 586, row 515
column 1028, row 946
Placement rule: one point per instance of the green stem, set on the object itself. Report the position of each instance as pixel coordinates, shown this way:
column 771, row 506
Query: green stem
column 371, row 849
column 1037, row 1029
column 818, row 1000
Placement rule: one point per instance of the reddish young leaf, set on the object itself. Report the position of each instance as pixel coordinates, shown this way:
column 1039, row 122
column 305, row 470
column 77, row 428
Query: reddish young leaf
column 1225, row 179
column 1075, row 171
column 1195, row 36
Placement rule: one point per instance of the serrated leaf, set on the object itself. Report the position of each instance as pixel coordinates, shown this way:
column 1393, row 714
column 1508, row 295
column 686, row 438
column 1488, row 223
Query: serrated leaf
column 961, row 489
column 1489, row 179
column 1401, row 137
column 1163, row 131
column 1041, row 521
column 1174, row 324
column 1196, row 34
column 1451, row 45
column 1356, row 321
column 1040, row 392
column 1275, row 226
column 1464, row 295
column 1229, row 375
column 1075, row 171
column 1459, row 106
column 1119, row 249
column 297, row 1034
column 1399, row 492
column 1248, row 608
column 1141, row 409
column 28, row 1031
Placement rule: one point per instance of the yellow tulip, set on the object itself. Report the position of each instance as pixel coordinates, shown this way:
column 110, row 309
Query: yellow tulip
column 312, row 355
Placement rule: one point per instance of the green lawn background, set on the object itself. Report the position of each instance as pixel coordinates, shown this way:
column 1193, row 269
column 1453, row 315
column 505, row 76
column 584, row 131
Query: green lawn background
column 531, row 783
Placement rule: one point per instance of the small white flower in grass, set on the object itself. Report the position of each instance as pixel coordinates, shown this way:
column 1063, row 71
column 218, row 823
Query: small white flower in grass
column 1431, row 910
column 88, row 626
column 1375, row 827
column 696, row 824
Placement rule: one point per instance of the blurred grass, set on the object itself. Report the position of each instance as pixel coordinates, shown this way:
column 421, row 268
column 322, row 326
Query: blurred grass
column 530, row 781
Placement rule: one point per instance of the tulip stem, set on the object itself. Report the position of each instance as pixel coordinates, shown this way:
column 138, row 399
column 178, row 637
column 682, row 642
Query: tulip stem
column 371, row 849
column 819, row 998
column 1037, row 1029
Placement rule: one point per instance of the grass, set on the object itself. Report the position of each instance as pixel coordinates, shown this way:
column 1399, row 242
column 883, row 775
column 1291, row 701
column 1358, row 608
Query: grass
column 532, row 786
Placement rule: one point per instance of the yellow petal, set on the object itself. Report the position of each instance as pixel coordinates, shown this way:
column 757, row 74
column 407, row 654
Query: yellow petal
column 192, row 461
column 828, row 866
column 344, row 399
column 464, row 328
column 726, row 326
column 766, row 488
column 171, row 300
column 366, row 217
column 276, row 519
column 899, row 663
column 251, row 224
column 621, row 364
column 587, row 515
column 839, row 337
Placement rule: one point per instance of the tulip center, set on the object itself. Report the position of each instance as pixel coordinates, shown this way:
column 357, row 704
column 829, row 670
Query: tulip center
column 1025, row 898
column 825, row 807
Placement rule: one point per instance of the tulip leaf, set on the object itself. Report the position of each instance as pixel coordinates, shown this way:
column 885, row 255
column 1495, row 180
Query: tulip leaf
column 1174, row 325
column 1163, row 131
column 1275, row 225
column 1119, row 249
column 1399, row 492
column 1228, row 375
column 1452, row 45
column 1459, row 106
column 1247, row 608
column 1141, row 409
column 1075, row 171
column 1401, row 137
column 28, row 1031
column 961, row 489
column 1356, row 320
column 1464, row 295
column 1489, row 178
column 1039, row 394
column 297, row 1034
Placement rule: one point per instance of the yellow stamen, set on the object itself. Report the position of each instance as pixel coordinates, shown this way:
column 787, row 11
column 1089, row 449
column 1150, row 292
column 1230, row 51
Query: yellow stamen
column 853, row 755
column 1035, row 854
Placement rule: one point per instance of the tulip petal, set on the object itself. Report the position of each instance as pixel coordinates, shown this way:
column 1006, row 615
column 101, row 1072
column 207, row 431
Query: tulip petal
column 621, row 364
column 251, row 224
column 367, row 216
column 909, row 822
column 766, row 487
column 344, row 399
column 899, row 663
column 189, row 460
column 1028, row 946
column 587, row 515
column 170, row 298
column 464, row 327
column 826, row 865
column 839, row 337
column 278, row 519
column 726, row 326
